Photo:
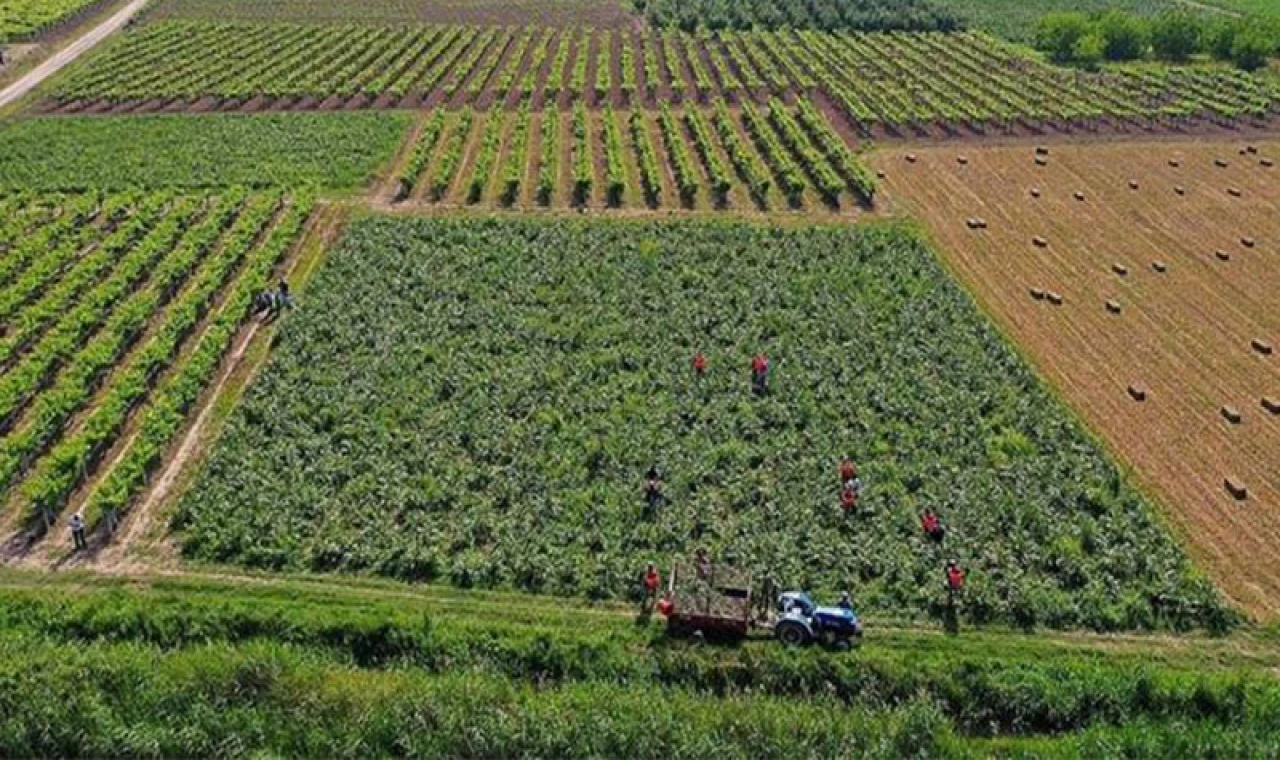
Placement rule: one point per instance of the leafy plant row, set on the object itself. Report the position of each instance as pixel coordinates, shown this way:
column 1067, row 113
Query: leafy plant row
column 79, row 211
column 166, row 412
column 549, row 165
column 604, row 65
column 650, row 173
column 517, row 157
column 487, row 155
column 583, row 166
column 678, row 154
column 451, row 158
column 555, row 77
column 423, row 147
column 615, row 165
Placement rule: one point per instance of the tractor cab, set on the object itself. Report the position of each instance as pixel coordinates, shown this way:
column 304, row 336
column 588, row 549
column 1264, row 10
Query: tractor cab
column 800, row 621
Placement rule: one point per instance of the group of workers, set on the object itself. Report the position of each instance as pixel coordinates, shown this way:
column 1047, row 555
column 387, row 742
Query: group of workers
column 759, row 371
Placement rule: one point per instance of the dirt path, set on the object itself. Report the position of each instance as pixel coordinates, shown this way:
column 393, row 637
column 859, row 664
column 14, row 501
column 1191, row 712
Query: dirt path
column 62, row 58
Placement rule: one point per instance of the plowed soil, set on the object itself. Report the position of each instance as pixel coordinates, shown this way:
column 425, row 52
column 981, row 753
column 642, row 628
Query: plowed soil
column 1184, row 335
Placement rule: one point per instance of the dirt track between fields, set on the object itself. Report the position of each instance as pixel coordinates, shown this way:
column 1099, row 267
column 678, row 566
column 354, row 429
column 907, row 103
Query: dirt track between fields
column 1184, row 335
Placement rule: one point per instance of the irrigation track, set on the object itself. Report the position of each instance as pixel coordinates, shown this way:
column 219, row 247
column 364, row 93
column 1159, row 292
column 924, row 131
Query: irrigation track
column 70, row 53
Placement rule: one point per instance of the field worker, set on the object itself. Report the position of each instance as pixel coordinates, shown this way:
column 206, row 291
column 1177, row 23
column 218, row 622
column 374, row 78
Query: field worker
column 932, row 525
column 759, row 374
column 699, row 364
column 77, row 532
column 653, row 487
column 651, row 582
column 702, row 563
column 848, row 471
column 846, row 602
column 955, row 579
column 848, row 497
column 272, row 302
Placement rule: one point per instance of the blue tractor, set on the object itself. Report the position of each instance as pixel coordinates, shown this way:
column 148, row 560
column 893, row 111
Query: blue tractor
column 800, row 621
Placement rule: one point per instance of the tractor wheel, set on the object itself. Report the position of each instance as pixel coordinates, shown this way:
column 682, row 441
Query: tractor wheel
column 792, row 634
column 841, row 645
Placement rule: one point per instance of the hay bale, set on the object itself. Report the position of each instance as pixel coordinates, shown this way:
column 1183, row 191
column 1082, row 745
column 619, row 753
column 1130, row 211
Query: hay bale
column 1231, row 414
column 1271, row 404
column 1221, row 163
column 1037, row 293
column 1174, row 163
column 1054, row 297
column 1222, row 255
column 1113, row 306
column 1120, row 269
column 1137, row 392
column 1039, row 242
column 1041, row 150
column 1247, row 242
column 962, row 160
column 1160, row 266
column 1251, row 149
column 1234, row 192
column 880, row 175
column 1267, row 163
column 1236, row 488
column 1179, row 189
column 911, row 158
column 1042, row 161
column 1261, row 346
column 1133, row 184
column 974, row 223
column 1078, row 195
column 1035, row 192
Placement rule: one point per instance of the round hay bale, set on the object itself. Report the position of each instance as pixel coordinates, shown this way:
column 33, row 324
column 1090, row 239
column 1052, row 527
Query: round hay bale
column 1247, row 242
column 1222, row 255
column 1039, row 242
column 1221, row 163
column 1137, row 392
column 1054, row 297
column 1133, row 184
column 1234, row 192
column 1261, row 346
column 1232, row 414
column 1037, row 293
column 1174, row 163
column 1078, row 195
column 1267, row 162
column 1160, row 266
column 1042, row 161
column 1113, row 306
column 1180, row 190
column 1271, row 404
column 1120, row 269
column 962, row 160
column 911, row 158
column 880, row 175
column 1251, row 149
column 1035, row 192
column 1042, row 150
column 1236, row 488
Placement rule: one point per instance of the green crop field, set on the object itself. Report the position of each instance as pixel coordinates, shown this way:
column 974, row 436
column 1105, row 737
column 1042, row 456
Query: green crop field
column 26, row 19
column 335, row 151
column 478, row 401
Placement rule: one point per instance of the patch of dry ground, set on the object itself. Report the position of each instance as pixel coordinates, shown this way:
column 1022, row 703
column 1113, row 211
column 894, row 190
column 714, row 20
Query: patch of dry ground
column 1104, row 216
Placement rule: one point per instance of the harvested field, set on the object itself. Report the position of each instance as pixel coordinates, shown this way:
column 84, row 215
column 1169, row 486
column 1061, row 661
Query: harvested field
column 1187, row 335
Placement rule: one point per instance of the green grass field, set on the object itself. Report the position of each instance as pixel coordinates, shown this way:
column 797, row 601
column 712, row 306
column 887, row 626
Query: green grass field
column 478, row 400
column 332, row 151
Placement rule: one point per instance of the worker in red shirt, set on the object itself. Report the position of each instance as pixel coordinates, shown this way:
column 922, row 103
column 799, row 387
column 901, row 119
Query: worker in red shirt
column 955, row 579
column 651, row 582
column 699, row 364
column 848, row 471
column 759, row 374
column 932, row 525
column 848, row 498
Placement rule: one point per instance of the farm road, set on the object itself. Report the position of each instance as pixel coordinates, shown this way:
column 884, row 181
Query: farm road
column 60, row 59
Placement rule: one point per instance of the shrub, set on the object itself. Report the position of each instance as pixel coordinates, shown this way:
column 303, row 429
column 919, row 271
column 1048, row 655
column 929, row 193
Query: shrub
column 1059, row 34
column 1252, row 45
column 1124, row 36
column 1175, row 36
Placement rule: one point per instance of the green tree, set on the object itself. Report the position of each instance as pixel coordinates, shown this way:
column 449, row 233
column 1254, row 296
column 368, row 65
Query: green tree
column 1252, row 46
column 1175, row 36
column 1057, row 34
column 1089, row 49
column 1219, row 36
column 1124, row 36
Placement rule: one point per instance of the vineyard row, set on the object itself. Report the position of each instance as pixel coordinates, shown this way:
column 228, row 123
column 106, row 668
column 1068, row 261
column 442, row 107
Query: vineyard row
column 892, row 80
column 716, row 156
